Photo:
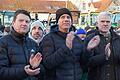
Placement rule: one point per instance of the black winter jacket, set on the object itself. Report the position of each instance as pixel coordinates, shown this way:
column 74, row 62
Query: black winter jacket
column 61, row 63
column 99, row 67
column 15, row 50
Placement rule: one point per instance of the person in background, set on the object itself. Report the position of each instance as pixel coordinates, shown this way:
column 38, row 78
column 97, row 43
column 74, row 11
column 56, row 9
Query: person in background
column 118, row 24
column 81, row 33
column 19, row 57
column 103, row 51
column 90, row 30
column 6, row 30
column 36, row 31
column 118, row 28
column 62, row 49
column 47, row 30
column 1, row 28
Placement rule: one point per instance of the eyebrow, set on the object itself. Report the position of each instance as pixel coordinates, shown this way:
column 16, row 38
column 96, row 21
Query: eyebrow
column 105, row 21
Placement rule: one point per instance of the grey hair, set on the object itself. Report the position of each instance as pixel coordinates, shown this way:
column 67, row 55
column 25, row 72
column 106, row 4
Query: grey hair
column 104, row 14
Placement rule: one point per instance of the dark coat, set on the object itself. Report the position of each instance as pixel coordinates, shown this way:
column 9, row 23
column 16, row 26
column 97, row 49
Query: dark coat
column 61, row 63
column 99, row 67
column 15, row 50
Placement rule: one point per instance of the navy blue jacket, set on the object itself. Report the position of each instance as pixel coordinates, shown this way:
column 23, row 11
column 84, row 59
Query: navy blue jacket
column 15, row 50
column 61, row 63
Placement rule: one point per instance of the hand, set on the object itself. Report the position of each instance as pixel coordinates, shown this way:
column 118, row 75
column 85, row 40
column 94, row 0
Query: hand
column 69, row 39
column 107, row 51
column 30, row 71
column 35, row 60
column 93, row 42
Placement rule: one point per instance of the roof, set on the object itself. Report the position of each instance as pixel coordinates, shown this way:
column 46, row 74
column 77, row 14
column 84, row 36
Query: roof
column 36, row 5
column 95, row 4
column 101, row 5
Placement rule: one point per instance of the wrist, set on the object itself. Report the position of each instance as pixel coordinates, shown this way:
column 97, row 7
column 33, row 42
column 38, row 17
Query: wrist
column 31, row 67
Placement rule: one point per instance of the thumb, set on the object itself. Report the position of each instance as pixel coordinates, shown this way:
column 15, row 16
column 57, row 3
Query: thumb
column 32, row 56
column 27, row 66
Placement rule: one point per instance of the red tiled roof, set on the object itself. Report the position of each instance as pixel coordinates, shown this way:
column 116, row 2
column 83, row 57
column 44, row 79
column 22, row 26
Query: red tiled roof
column 101, row 5
column 36, row 5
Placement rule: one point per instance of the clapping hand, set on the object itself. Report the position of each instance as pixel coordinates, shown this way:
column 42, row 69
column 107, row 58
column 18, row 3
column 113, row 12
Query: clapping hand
column 93, row 42
column 69, row 39
column 107, row 51
column 35, row 60
column 30, row 71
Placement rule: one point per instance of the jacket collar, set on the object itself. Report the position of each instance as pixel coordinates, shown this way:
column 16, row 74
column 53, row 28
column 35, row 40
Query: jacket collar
column 18, row 37
column 112, row 33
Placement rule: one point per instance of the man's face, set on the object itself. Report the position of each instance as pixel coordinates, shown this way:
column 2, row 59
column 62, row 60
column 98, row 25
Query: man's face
column 104, row 23
column 64, row 23
column 21, row 24
column 37, row 32
column 82, row 36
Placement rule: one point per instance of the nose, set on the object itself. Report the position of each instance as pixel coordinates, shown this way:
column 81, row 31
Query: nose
column 37, row 30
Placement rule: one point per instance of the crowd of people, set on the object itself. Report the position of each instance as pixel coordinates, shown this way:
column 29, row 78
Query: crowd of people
column 63, row 53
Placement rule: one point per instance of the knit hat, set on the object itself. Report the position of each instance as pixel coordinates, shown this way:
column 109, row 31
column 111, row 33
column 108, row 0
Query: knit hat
column 39, row 24
column 62, row 11
column 36, row 23
column 81, row 31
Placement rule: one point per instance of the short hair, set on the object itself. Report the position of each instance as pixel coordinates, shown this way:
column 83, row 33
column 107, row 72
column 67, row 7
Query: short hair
column 104, row 14
column 21, row 11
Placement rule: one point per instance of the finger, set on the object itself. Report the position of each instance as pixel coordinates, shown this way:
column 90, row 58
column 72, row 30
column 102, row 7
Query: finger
column 70, row 38
column 70, row 35
column 32, row 56
column 72, row 32
column 27, row 67
column 38, row 69
column 32, row 71
column 40, row 59
column 107, row 46
column 37, row 72
column 38, row 56
column 40, row 53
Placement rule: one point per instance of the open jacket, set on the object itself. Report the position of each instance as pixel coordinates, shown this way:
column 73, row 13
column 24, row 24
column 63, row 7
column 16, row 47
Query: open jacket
column 99, row 67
